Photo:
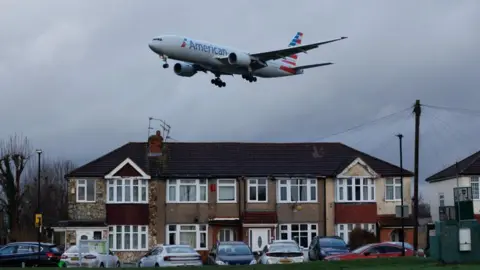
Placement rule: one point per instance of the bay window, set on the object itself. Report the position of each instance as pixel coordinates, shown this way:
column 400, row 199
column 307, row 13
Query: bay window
column 355, row 189
column 257, row 190
column 194, row 235
column 393, row 189
column 226, row 190
column 297, row 190
column 128, row 237
column 343, row 230
column 187, row 191
column 300, row 233
column 127, row 190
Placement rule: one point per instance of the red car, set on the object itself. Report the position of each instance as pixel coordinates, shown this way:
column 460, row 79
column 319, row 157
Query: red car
column 371, row 251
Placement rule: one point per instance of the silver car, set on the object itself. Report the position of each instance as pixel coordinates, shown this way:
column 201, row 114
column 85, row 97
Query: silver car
column 281, row 253
column 86, row 257
column 170, row 255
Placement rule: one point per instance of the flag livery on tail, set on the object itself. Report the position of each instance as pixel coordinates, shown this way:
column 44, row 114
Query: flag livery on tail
column 292, row 59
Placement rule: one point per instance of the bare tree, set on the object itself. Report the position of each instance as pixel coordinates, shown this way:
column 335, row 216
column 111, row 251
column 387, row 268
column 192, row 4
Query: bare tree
column 14, row 155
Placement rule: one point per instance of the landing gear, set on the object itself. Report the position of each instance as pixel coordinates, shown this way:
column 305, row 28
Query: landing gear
column 218, row 82
column 249, row 78
column 164, row 58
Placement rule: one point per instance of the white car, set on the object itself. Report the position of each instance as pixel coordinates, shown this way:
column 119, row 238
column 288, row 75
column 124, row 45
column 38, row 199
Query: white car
column 170, row 255
column 281, row 252
column 73, row 257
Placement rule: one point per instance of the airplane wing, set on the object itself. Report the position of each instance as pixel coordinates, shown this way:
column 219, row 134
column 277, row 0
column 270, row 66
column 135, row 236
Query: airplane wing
column 273, row 55
column 311, row 66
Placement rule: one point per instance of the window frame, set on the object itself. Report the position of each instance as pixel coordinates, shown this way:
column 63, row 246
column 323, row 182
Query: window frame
column 371, row 227
column 370, row 184
column 115, row 185
column 289, row 231
column 177, row 184
column 85, row 185
column 257, row 185
column 178, row 230
column 475, row 191
column 220, row 185
column 288, row 185
column 231, row 233
column 394, row 185
column 112, row 230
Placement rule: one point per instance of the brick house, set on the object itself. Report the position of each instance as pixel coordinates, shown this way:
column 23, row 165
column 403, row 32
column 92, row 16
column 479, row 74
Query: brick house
column 143, row 194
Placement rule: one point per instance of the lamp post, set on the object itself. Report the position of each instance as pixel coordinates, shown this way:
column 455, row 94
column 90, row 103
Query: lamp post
column 39, row 152
column 402, row 238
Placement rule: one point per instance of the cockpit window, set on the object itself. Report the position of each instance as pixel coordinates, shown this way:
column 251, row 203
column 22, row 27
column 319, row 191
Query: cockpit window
column 159, row 39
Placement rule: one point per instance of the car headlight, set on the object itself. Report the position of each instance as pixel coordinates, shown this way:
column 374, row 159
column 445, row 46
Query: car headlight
column 269, row 261
column 253, row 261
column 220, row 263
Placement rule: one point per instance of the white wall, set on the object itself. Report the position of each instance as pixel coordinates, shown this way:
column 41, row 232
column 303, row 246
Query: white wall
column 434, row 189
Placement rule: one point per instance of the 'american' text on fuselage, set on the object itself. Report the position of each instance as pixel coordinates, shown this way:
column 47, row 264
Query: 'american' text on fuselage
column 207, row 48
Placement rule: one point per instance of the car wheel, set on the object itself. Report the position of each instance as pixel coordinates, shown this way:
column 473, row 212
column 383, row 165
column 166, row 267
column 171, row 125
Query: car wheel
column 156, row 265
column 101, row 265
column 118, row 265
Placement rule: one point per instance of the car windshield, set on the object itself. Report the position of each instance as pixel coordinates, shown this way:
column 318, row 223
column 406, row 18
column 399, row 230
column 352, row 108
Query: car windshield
column 407, row 245
column 74, row 249
column 232, row 250
column 331, row 242
column 361, row 249
column 284, row 248
column 180, row 249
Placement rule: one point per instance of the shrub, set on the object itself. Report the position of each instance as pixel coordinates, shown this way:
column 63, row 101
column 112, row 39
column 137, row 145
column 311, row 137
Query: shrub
column 359, row 237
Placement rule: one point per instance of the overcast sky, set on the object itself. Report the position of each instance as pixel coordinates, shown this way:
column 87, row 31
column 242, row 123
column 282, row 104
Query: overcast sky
column 78, row 78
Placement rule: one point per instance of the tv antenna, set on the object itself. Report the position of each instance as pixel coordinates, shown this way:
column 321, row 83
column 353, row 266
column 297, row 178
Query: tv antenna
column 162, row 126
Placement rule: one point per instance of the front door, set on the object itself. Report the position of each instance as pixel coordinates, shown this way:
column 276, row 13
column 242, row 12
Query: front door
column 258, row 238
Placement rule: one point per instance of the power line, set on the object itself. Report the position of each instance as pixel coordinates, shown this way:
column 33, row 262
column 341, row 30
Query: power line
column 453, row 109
column 366, row 123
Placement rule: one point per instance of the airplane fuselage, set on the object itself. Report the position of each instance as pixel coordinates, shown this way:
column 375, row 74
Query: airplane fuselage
column 208, row 54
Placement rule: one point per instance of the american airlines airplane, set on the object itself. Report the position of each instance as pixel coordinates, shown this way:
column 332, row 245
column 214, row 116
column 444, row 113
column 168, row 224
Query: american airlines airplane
column 197, row 55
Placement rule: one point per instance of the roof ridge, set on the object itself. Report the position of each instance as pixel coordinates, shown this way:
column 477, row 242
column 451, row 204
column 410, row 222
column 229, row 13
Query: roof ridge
column 470, row 164
column 452, row 166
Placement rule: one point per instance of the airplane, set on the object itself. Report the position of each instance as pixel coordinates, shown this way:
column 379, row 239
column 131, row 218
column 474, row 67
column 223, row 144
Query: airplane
column 202, row 56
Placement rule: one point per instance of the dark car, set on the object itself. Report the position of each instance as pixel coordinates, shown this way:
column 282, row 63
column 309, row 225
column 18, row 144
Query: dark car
column 231, row 253
column 321, row 247
column 26, row 253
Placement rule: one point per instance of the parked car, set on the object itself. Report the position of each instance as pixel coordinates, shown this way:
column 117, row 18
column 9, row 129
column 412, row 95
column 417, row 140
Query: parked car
column 371, row 251
column 83, row 256
column 281, row 252
column 231, row 253
column 170, row 255
column 322, row 247
column 26, row 253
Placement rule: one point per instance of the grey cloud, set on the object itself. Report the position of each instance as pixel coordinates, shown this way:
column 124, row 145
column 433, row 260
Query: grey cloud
column 80, row 79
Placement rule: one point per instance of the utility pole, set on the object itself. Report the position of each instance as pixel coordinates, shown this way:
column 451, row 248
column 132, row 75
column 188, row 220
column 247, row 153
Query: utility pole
column 400, row 136
column 417, row 110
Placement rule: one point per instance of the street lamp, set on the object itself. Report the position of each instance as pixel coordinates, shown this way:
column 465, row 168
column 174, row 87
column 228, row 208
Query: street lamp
column 39, row 152
column 402, row 238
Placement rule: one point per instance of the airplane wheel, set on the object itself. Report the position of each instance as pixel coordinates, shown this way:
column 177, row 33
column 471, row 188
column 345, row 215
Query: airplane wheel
column 223, row 84
column 165, row 65
column 254, row 79
column 213, row 81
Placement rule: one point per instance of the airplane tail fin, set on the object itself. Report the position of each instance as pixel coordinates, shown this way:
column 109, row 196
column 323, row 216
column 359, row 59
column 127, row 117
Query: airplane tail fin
column 291, row 60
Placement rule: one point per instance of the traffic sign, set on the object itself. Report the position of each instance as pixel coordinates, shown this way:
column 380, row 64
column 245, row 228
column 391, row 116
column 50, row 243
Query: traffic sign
column 38, row 220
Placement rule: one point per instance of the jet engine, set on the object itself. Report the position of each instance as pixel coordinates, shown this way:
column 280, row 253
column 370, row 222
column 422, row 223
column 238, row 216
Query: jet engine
column 239, row 59
column 184, row 70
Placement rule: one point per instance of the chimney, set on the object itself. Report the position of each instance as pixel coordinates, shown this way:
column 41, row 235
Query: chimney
column 155, row 144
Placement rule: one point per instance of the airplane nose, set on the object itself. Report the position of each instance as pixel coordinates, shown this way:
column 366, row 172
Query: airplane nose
column 151, row 46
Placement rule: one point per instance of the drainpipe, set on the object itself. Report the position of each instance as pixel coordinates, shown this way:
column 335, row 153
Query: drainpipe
column 325, row 206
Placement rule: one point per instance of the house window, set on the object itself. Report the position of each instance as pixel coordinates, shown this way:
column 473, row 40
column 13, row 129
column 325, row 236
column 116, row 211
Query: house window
column 257, row 190
column 128, row 237
column 393, row 189
column 194, row 235
column 85, row 190
column 474, row 183
column 129, row 190
column 187, row 191
column 297, row 190
column 300, row 233
column 441, row 199
column 343, row 230
column 356, row 189
column 226, row 235
column 227, row 190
